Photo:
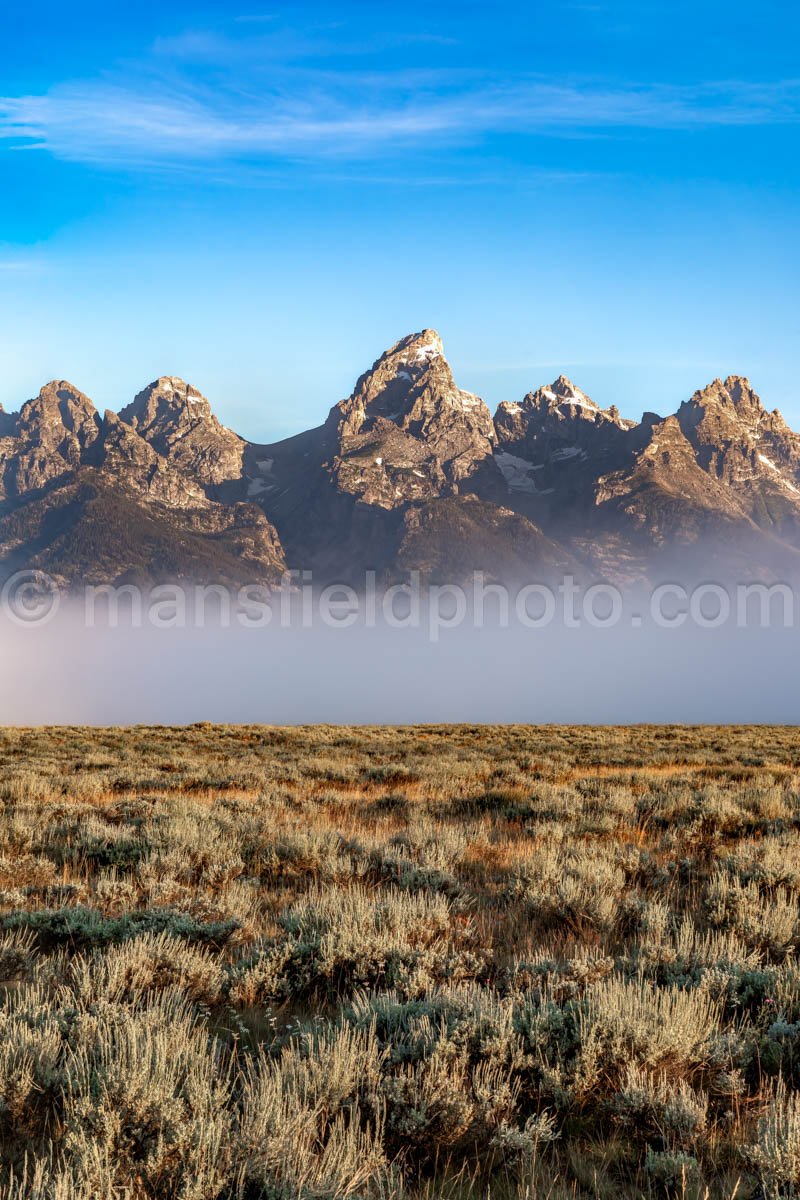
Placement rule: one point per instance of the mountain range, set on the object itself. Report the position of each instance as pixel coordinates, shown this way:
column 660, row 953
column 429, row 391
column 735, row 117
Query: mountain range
column 408, row 473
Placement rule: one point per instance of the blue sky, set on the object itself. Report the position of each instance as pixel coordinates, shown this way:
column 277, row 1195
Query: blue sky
column 262, row 197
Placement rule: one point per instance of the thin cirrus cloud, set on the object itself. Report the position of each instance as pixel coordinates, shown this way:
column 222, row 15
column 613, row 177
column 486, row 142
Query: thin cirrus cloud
column 181, row 121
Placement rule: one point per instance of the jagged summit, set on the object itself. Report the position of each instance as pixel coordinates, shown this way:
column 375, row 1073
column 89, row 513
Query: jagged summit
column 406, row 385
column 735, row 393
column 419, row 347
column 63, row 389
column 57, row 403
column 408, row 469
column 560, row 403
column 169, row 394
column 564, row 395
column 175, row 418
column 731, row 403
column 407, row 430
column 552, row 440
column 733, row 387
column 563, row 390
column 61, row 399
column 50, row 437
column 403, row 363
column 753, row 450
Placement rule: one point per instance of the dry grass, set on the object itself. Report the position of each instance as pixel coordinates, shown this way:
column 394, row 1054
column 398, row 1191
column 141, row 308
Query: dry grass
column 245, row 963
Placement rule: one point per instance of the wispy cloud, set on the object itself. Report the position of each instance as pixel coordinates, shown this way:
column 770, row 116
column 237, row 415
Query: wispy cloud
column 19, row 266
column 173, row 116
column 255, row 18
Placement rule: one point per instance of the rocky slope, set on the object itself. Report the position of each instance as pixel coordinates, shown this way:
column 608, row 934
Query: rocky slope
column 408, row 473
column 176, row 421
column 341, row 494
column 407, row 432
column 721, row 476
column 130, row 496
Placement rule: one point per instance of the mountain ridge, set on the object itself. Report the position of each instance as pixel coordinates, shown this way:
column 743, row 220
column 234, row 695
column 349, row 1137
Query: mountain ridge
column 409, row 472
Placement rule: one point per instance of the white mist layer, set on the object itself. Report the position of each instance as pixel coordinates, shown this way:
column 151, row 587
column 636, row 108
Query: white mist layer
column 66, row 674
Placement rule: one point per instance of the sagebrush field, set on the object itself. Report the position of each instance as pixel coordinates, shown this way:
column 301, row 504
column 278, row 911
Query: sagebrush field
column 441, row 962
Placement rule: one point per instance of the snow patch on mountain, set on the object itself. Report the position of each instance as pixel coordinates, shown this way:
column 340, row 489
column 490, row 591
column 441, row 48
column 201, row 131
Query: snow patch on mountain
column 516, row 471
column 769, row 463
column 429, row 350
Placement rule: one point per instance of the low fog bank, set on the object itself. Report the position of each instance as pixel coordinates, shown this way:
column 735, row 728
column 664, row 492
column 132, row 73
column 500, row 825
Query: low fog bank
column 63, row 673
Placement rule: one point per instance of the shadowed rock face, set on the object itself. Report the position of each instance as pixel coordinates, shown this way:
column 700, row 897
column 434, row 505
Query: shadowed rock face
column 120, row 499
column 407, row 432
column 551, row 448
column 663, row 494
column 49, row 438
column 409, row 472
column 735, row 439
column 177, row 421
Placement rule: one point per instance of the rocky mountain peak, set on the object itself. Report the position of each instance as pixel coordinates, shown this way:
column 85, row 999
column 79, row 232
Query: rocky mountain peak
column 722, row 402
column 740, row 390
column 565, row 389
column 560, row 404
column 667, row 444
column 410, row 385
column 60, row 403
column 59, row 412
column 571, row 402
column 407, row 469
column 169, row 400
column 51, row 435
column 723, row 412
column 176, row 419
column 130, row 457
column 558, row 421
column 407, row 430
column 735, row 439
column 419, row 347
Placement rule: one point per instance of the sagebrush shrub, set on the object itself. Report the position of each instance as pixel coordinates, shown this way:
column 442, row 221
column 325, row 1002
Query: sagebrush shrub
column 625, row 1022
column 336, row 941
column 770, row 923
column 311, row 1120
column 775, row 1153
column 431, row 964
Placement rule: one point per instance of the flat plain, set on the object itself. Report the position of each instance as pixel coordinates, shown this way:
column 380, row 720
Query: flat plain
column 425, row 962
